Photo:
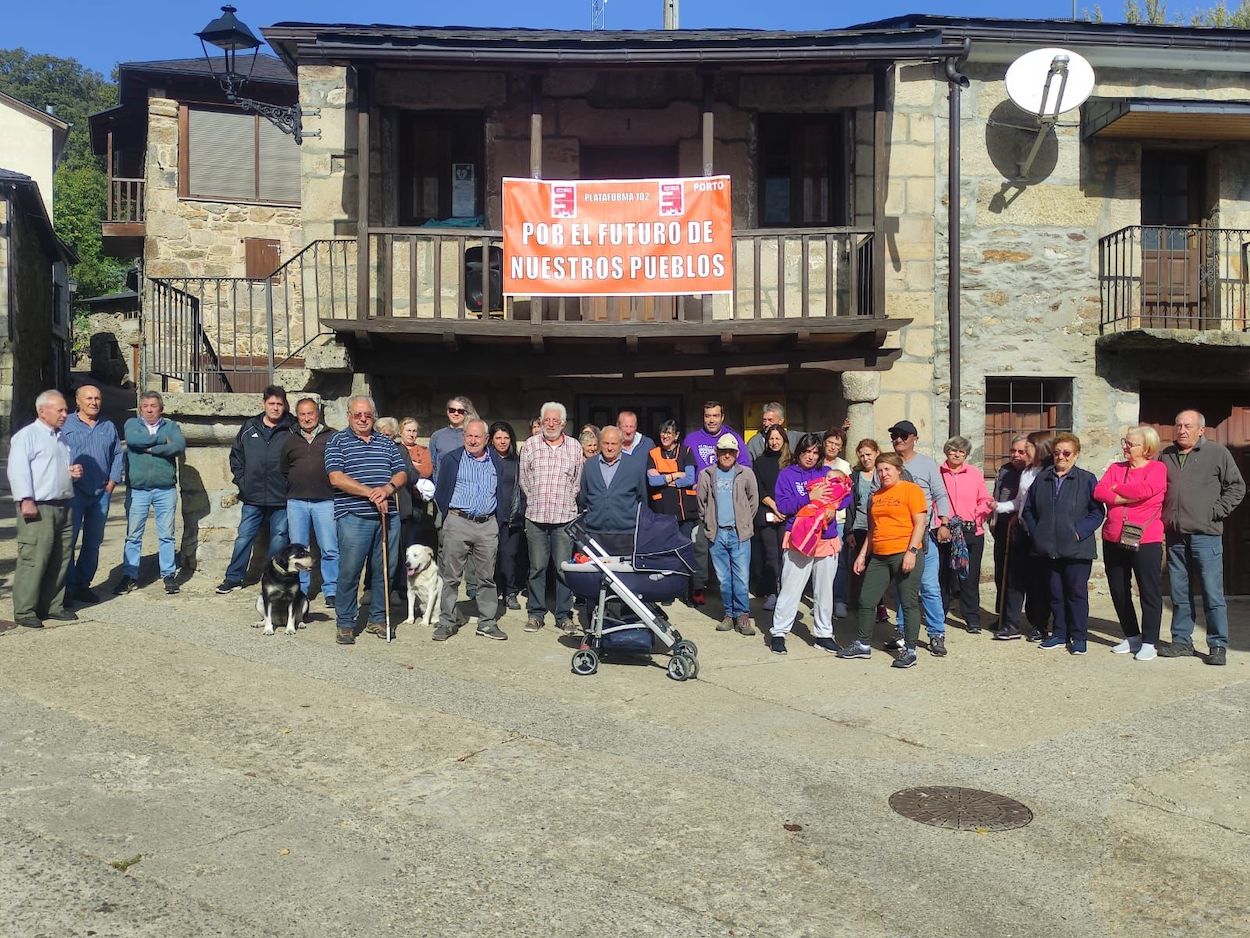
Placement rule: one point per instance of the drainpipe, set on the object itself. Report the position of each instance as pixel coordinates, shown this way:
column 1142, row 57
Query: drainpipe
column 958, row 82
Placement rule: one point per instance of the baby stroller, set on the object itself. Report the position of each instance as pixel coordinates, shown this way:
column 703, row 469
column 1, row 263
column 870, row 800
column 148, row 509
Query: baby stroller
column 622, row 592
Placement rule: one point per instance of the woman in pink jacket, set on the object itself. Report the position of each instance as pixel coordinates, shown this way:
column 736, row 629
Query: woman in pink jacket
column 1132, row 539
column 972, row 505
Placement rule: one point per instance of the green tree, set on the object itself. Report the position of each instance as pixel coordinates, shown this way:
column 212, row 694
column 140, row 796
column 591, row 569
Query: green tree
column 1217, row 16
column 80, row 186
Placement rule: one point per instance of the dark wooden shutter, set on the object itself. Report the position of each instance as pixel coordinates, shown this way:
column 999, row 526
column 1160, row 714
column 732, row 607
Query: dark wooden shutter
column 262, row 256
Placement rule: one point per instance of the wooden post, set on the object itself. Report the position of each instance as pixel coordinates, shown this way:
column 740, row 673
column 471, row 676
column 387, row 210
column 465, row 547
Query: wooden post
column 709, row 85
column 880, row 170
column 536, row 126
column 109, row 159
column 362, row 194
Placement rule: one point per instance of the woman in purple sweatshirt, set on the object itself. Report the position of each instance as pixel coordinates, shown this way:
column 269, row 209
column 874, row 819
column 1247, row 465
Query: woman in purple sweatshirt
column 791, row 494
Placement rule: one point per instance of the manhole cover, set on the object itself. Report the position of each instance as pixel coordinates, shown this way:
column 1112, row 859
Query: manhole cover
column 960, row 809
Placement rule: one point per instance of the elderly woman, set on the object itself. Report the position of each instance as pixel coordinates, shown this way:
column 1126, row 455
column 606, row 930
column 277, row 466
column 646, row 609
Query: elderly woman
column 972, row 506
column 1132, row 539
column 406, row 513
column 409, row 430
column 1062, row 516
column 803, row 481
column 892, row 552
column 589, row 440
column 769, row 520
column 1027, row 589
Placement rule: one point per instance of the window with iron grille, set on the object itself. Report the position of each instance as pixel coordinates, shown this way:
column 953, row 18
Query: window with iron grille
column 1022, row 405
column 235, row 157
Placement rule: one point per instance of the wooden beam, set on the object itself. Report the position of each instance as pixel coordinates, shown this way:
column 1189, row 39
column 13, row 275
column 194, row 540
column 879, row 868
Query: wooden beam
column 536, row 126
column 631, row 343
column 537, row 344
column 709, row 95
column 880, row 174
column 362, row 194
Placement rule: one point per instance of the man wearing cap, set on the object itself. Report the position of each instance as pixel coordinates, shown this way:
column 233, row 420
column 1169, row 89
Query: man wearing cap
column 702, row 444
column 612, row 488
column 728, row 500
column 924, row 471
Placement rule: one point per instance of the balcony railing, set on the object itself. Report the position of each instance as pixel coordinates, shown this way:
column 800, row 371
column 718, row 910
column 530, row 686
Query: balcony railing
column 125, row 203
column 439, row 274
column 1169, row 277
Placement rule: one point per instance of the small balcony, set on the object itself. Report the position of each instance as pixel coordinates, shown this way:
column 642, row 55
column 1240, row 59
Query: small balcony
column 123, row 226
column 1178, row 278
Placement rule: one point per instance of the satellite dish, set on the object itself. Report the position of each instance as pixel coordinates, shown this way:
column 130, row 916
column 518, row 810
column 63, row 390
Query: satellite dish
column 1049, row 82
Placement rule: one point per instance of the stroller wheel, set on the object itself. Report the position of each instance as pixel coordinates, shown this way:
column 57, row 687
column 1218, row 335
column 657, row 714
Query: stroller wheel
column 681, row 668
column 585, row 661
column 685, row 647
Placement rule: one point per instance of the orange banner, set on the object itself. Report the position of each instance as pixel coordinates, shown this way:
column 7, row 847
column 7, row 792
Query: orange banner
column 622, row 237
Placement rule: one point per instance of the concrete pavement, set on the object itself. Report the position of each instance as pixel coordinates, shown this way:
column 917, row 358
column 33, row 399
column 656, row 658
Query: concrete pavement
column 288, row 786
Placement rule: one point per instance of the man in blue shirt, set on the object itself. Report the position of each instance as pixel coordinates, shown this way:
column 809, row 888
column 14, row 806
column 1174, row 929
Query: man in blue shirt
column 41, row 479
column 94, row 445
column 366, row 470
column 467, row 496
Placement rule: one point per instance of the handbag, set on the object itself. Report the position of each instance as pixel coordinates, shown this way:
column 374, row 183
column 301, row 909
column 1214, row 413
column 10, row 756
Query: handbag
column 1131, row 534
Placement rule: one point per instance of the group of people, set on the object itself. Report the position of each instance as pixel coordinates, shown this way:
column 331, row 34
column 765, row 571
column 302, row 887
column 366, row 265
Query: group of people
column 782, row 517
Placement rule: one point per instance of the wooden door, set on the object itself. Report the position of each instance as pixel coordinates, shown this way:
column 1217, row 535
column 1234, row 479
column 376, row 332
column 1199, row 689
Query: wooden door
column 261, row 257
column 1227, row 412
column 1173, row 246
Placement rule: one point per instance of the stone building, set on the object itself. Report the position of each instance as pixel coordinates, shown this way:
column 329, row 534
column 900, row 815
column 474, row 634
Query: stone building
column 1106, row 287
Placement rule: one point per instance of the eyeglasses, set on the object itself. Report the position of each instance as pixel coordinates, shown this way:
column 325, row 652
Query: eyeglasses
column 361, row 414
column 1129, row 444
column 456, row 410
column 1065, row 453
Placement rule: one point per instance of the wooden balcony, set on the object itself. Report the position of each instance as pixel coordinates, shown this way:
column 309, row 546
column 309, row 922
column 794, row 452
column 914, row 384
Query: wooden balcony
column 800, row 296
column 123, row 227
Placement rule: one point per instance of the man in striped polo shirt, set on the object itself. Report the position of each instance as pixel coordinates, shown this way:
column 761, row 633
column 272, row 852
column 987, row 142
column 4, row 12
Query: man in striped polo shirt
column 366, row 470
column 467, row 495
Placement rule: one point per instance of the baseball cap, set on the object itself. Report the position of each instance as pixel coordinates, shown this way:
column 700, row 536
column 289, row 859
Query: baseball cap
column 903, row 428
column 727, row 441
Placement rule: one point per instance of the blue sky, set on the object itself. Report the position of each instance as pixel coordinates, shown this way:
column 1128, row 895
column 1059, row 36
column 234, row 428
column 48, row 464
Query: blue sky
column 100, row 34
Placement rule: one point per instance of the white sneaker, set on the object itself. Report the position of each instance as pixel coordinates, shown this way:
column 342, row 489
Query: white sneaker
column 1146, row 653
column 1128, row 646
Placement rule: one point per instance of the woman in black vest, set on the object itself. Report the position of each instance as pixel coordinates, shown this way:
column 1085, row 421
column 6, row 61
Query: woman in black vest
column 769, row 522
column 512, row 559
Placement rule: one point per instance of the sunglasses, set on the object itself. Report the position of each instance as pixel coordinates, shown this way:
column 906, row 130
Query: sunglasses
column 456, row 410
column 900, row 436
column 361, row 414
column 1066, row 454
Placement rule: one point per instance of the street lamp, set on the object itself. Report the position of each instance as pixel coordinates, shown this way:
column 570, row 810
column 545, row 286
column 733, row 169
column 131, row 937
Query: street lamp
column 231, row 35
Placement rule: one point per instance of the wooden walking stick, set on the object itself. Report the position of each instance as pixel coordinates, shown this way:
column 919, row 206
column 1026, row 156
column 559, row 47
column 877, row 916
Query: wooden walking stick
column 386, row 569
column 1002, row 593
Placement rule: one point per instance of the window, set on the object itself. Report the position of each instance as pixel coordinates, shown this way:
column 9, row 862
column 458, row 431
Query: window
column 442, row 166
column 1022, row 405
column 802, row 171
column 235, row 157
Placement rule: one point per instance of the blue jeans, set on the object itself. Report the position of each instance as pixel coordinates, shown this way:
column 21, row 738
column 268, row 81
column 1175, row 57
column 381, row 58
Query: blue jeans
column 307, row 517
column 249, row 526
column 932, row 609
column 138, row 501
column 360, row 537
column 1200, row 555
column 732, row 560
column 89, row 513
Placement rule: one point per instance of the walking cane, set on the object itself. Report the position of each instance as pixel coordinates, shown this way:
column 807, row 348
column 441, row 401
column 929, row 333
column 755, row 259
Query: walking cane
column 386, row 571
column 1002, row 593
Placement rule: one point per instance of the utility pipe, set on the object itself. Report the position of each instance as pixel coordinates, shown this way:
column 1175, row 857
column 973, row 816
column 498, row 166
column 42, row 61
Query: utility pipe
column 958, row 81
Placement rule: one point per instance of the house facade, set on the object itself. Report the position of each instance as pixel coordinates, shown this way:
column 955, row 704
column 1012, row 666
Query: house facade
column 1106, row 287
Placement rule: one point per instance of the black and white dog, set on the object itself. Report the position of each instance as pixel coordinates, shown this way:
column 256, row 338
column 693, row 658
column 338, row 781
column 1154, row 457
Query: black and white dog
column 280, row 597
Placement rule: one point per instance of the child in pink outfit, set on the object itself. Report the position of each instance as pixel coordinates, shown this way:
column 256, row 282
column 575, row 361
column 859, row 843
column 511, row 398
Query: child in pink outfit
column 809, row 522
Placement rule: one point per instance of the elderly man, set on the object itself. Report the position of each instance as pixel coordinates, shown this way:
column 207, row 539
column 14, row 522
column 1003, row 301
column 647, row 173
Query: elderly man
column 94, row 445
column 1204, row 486
column 41, row 478
column 451, row 437
column 310, row 496
column 254, row 464
column 153, row 445
column 550, row 476
column 925, row 473
column 702, row 443
column 728, row 499
column 366, row 470
column 613, row 486
column 633, row 443
column 773, row 415
column 468, row 495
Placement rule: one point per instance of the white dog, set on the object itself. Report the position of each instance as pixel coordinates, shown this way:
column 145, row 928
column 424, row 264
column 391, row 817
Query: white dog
column 423, row 581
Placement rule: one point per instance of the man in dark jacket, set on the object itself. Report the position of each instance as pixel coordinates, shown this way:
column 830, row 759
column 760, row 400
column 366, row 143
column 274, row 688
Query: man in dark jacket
column 254, row 459
column 468, row 496
column 1204, row 486
column 612, row 488
column 1006, row 488
column 310, row 497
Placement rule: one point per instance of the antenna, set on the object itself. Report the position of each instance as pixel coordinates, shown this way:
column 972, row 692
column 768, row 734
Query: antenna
column 672, row 14
column 597, row 9
column 1047, row 83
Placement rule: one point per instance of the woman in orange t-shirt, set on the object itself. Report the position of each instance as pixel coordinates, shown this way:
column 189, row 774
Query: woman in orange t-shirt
column 893, row 551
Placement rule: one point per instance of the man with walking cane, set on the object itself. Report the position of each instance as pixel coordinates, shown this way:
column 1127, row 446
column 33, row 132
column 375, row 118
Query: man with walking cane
column 366, row 469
